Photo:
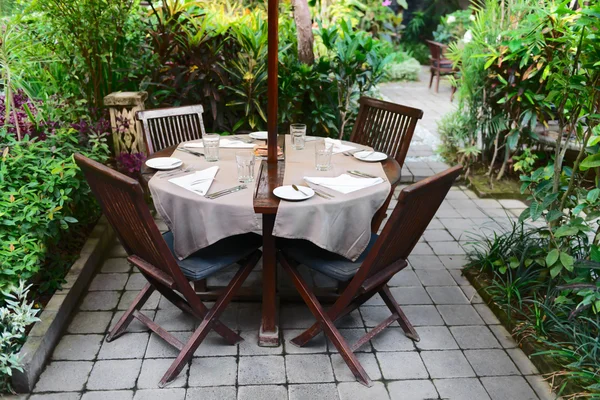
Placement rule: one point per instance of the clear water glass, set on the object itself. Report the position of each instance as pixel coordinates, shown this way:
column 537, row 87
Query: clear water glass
column 245, row 165
column 323, row 152
column 298, row 132
column 211, row 147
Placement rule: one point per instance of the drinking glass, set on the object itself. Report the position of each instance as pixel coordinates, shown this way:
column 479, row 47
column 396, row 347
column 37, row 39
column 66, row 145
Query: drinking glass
column 211, row 147
column 298, row 132
column 245, row 165
column 323, row 151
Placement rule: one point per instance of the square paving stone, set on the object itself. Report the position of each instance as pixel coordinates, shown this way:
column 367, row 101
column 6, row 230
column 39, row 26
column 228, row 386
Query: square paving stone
column 108, row 394
column 425, row 262
column 212, row 393
column 351, row 336
column 402, row 365
column 487, row 314
column 351, row 320
column 406, row 277
column 503, row 336
column 249, row 316
column 160, row 394
column 261, row 370
column 117, row 251
column 154, row 369
column 318, row 344
column 174, row 320
column 46, row 396
column 373, row 315
column 412, row 390
column 454, row 261
column 541, row 387
column 459, row 277
column 423, row 315
column 437, row 235
column 522, row 361
column 422, row 249
column 90, row 322
column 214, row 345
column 321, row 391
column 102, row 301
column 474, row 337
column 447, row 248
column 487, row 203
column 296, row 316
column 471, row 294
column 358, row 391
column 461, row 389
column 435, row 338
column 114, row 374
column 111, row 265
column 392, row 339
column 410, row 295
column 342, row 371
column 213, row 371
column 447, row 295
column 460, row 315
column 77, row 347
column 250, row 347
column 508, row 203
column 128, row 297
column 447, row 364
column 134, row 325
column 308, row 368
column 64, row 376
column 447, row 213
column 262, row 392
column 159, row 348
column 136, row 281
column 108, row 282
column 491, row 362
column 129, row 345
column 508, row 388
column 435, row 277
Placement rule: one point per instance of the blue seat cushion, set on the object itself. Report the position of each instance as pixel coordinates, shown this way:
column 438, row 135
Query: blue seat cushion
column 217, row 256
column 326, row 262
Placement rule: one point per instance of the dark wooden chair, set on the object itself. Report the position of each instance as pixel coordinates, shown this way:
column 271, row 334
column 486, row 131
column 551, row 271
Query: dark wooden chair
column 439, row 65
column 384, row 257
column 122, row 201
column 386, row 127
column 165, row 127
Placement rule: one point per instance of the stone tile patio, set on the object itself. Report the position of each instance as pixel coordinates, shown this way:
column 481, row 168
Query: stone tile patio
column 463, row 354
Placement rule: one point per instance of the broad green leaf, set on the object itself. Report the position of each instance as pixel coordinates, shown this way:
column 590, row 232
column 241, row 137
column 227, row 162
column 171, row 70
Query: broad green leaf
column 554, row 271
column 593, row 195
column 566, row 230
column 552, row 257
column 567, row 261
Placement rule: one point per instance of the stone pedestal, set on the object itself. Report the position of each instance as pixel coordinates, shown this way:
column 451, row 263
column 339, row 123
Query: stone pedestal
column 126, row 131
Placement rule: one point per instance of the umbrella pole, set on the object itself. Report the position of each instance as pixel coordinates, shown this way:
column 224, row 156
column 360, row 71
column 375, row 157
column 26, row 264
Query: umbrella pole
column 272, row 90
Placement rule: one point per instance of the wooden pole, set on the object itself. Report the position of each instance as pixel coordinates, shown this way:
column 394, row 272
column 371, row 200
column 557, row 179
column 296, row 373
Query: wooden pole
column 272, row 90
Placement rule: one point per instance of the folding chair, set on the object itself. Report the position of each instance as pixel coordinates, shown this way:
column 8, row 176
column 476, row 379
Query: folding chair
column 369, row 274
column 122, row 201
column 165, row 127
column 386, row 127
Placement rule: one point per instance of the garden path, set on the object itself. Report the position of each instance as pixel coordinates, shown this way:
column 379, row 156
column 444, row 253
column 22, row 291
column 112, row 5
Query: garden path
column 464, row 352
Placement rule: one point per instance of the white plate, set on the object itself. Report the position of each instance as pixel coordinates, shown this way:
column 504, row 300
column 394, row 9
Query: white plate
column 260, row 135
column 289, row 193
column 371, row 157
column 164, row 163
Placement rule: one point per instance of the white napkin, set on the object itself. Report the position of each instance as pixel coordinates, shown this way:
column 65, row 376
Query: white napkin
column 344, row 183
column 224, row 143
column 338, row 147
column 190, row 181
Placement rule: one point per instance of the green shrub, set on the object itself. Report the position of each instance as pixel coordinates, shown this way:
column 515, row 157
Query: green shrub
column 42, row 193
column 407, row 70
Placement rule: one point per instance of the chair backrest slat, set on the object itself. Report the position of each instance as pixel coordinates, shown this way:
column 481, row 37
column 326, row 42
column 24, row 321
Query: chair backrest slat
column 417, row 205
column 122, row 202
column 165, row 127
column 385, row 126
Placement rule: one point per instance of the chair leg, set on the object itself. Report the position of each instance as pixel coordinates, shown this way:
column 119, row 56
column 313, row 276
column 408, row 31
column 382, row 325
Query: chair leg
column 431, row 79
column 127, row 317
column 391, row 303
column 330, row 330
column 437, row 83
column 452, row 94
column 208, row 321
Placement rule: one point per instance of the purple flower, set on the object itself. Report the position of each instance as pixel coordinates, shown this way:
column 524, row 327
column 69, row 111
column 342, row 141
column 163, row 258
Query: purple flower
column 130, row 163
column 386, row 3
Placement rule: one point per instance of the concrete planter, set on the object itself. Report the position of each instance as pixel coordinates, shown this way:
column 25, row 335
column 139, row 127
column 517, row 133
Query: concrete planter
column 46, row 333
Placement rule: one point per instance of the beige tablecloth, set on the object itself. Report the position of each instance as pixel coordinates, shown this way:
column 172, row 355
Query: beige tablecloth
column 198, row 222
column 341, row 225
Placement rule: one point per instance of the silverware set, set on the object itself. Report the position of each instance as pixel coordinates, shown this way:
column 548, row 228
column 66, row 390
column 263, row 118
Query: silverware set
column 241, row 139
column 195, row 153
column 175, row 172
column 225, row 192
column 361, row 174
column 319, row 193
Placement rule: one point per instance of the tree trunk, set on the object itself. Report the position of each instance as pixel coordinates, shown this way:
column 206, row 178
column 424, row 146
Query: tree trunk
column 304, row 31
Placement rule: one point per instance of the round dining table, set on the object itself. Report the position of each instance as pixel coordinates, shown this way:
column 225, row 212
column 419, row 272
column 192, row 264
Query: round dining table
column 265, row 203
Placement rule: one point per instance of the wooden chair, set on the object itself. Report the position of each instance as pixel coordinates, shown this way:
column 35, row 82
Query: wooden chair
column 384, row 257
column 122, row 201
column 386, row 127
column 439, row 65
column 165, row 127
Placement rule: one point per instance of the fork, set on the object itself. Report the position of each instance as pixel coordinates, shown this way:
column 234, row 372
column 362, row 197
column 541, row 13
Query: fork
column 169, row 174
column 245, row 140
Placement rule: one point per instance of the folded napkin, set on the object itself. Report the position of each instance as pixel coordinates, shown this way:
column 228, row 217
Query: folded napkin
column 199, row 182
column 338, row 147
column 225, row 143
column 344, row 183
